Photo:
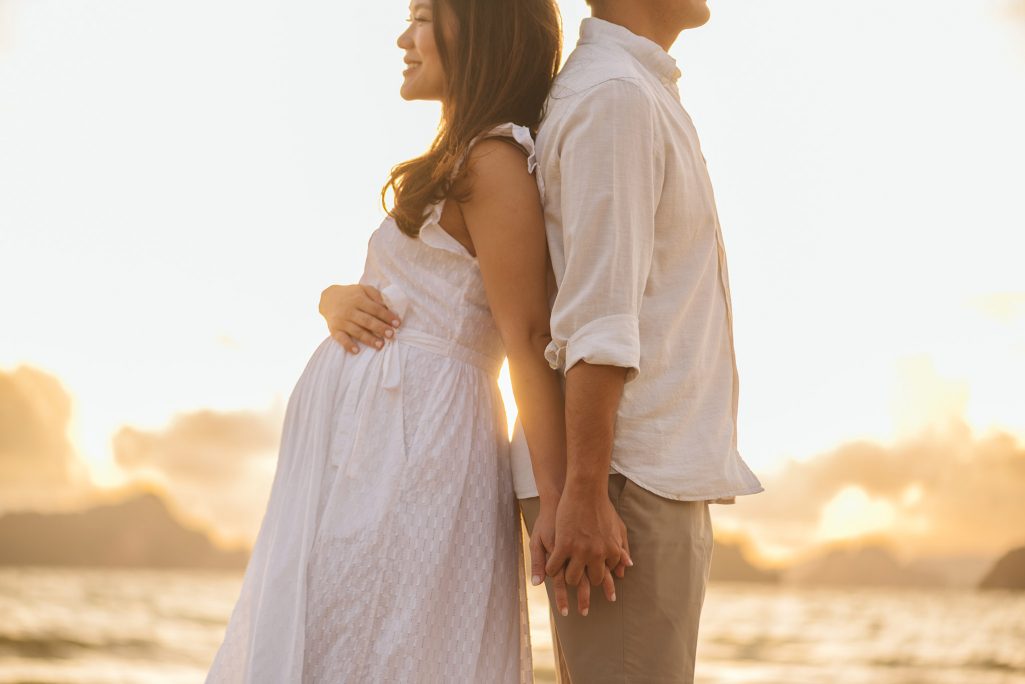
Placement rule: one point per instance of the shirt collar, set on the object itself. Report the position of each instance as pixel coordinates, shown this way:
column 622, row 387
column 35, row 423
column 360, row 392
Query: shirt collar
column 647, row 52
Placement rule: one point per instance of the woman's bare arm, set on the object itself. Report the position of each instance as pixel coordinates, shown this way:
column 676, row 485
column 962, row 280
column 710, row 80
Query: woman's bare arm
column 505, row 221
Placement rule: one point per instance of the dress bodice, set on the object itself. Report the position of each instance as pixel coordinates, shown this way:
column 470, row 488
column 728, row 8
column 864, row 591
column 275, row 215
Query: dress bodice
column 434, row 283
column 435, row 286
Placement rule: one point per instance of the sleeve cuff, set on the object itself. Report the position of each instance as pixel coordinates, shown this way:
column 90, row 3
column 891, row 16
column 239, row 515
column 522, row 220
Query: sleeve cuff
column 608, row 341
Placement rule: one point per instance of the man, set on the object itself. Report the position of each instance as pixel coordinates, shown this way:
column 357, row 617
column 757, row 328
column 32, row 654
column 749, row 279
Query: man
column 642, row 327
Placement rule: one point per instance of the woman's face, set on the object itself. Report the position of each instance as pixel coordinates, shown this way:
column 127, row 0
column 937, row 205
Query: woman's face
column 424, row 77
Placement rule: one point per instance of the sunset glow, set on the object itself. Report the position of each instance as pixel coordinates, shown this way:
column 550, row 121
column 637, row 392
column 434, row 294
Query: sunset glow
column 178, row 182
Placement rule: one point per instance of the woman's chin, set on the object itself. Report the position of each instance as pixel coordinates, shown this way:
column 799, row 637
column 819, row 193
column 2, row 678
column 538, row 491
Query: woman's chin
column 700, row 17
column 410, row 93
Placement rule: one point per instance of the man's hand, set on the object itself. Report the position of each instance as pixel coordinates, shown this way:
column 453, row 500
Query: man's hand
column 542, row 543
column 357, row 313
column 590, row 538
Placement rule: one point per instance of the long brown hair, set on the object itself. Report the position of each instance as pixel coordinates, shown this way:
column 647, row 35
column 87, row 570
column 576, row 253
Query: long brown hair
column 500, row 69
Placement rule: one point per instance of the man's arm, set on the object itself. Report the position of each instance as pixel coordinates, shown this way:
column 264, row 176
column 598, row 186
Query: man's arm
column 611, row 171
column 599, row 537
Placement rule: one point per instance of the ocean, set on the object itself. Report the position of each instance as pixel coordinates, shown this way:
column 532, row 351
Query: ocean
column 102, row 626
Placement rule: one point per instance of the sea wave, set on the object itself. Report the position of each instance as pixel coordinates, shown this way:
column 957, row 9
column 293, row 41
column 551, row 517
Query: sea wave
column 63, row 648
column 66, row 627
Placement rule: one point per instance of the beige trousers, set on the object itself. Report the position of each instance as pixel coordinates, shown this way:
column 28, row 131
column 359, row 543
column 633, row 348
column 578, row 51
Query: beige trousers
column 649, row 634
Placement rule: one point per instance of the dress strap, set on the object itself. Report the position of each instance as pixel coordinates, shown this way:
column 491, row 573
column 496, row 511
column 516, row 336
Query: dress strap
column 431, row 232
column 522, row 136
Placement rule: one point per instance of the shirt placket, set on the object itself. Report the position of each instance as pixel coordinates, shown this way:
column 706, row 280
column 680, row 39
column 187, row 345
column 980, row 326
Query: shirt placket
column 724, row 279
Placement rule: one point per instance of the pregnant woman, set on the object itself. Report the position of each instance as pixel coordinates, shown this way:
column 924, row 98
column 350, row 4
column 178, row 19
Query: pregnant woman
column 390, row 548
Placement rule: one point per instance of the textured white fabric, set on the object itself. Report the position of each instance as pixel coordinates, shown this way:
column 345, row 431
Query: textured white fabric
column 640, row 266
column 390, row 550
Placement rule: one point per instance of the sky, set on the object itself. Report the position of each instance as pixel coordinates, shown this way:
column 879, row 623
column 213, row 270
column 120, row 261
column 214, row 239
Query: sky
column 180, row 180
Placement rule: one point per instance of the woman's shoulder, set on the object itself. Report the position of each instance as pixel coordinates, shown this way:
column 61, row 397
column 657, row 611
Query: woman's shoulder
column 503, row 155
column 511, row 133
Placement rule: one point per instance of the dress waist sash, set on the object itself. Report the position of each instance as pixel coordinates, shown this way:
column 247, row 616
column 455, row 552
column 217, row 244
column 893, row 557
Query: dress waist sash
column 369, row 411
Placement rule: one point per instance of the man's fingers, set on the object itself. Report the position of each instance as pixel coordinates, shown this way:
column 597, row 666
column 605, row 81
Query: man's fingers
column 609, row 586
column 346, row 342
column 624, row 558
column 574, row 572
column 556, row 561
column 626, row 546
column 561, row 598
column 538, row 556
column 583, row 598
column 624, row 561
column 618, row 564
column 596, row 572
column 620, row 570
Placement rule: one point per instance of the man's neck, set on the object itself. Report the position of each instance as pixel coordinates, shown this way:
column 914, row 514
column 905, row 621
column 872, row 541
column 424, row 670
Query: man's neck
column 632, row 17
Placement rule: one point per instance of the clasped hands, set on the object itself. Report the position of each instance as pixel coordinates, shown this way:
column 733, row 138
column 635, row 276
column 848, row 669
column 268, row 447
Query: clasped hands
column 579, row 541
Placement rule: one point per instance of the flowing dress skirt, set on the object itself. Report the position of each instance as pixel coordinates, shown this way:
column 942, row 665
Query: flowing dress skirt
column 390, row 550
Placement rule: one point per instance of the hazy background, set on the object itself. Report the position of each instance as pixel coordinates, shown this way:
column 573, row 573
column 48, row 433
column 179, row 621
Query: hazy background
column 180, row 180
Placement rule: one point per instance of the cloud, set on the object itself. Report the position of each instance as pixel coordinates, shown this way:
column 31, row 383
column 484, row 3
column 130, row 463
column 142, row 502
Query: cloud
column 942, row 491
column 217, row 466
column 214, row 468
column 204, row 446
column 38, row 464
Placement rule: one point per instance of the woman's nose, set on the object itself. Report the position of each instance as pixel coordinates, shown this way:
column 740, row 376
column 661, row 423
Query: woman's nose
column 405, row 40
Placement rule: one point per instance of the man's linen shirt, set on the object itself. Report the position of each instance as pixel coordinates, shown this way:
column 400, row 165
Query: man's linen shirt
column 640, row 267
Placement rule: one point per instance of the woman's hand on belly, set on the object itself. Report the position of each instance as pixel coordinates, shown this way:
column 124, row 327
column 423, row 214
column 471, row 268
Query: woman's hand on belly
column 357, row 313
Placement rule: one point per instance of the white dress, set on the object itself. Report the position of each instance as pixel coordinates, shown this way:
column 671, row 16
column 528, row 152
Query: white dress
column 390, row 550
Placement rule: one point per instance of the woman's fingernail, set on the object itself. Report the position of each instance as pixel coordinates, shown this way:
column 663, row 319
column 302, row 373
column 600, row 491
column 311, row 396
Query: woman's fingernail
column 395, row 322
column 535, row 580
column 564, row 611
column 379, row 344
column 389, row 333
column 613, row 596
column 354, row 350
column 584, row 612
column 629, row 563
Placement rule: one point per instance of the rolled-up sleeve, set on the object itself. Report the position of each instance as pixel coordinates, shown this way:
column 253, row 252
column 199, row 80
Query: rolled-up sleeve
column 610, row 174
